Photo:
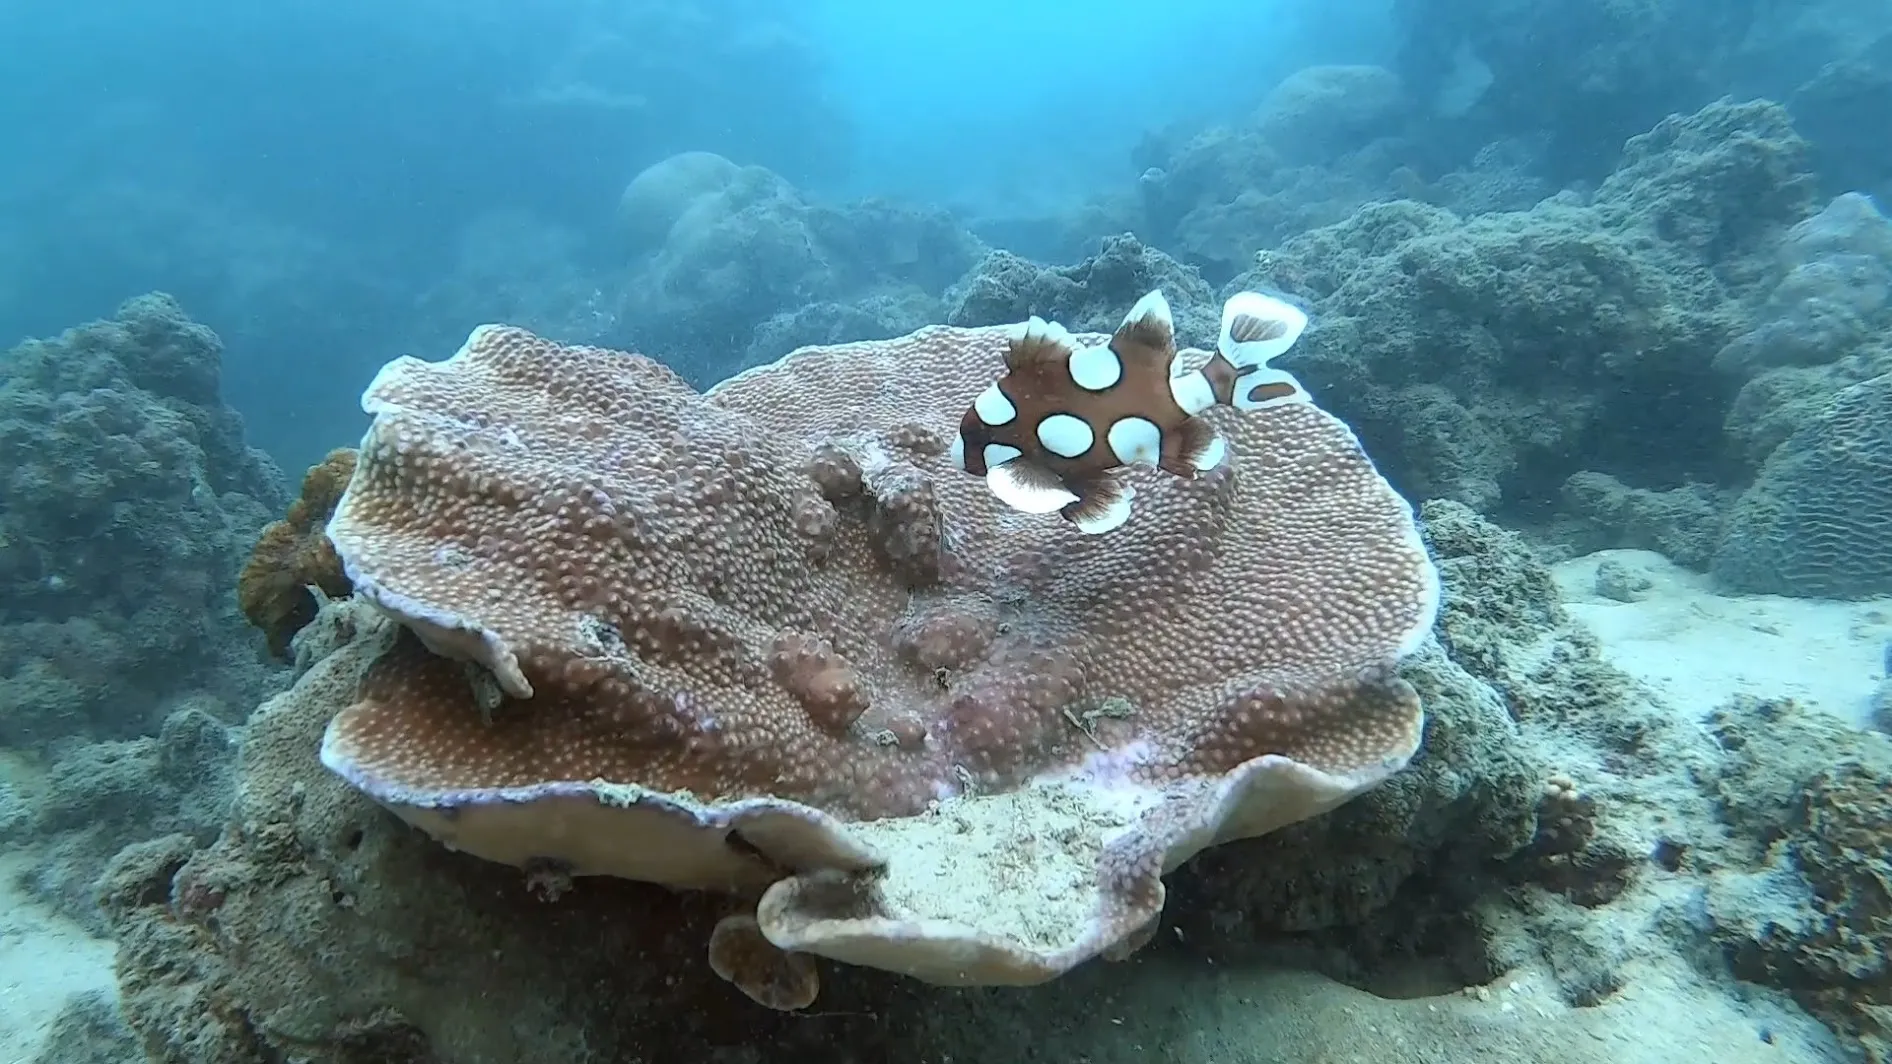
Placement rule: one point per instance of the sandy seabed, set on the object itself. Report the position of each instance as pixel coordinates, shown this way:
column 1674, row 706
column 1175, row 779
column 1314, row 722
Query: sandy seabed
column 46, row 960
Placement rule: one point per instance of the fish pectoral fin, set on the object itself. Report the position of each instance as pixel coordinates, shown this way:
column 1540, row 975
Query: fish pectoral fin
column 1028, row 487
column 1102, row 505
column 1257, row 328
column 1042, row 342
column 1194, row 448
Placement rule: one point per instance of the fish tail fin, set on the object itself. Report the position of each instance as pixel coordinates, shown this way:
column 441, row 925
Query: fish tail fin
column 1257, row 328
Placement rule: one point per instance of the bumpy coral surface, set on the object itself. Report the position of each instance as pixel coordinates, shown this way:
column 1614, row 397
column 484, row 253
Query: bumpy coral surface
column 294, row 555
column 771, row 634
column 319, row 925
column 126, row 500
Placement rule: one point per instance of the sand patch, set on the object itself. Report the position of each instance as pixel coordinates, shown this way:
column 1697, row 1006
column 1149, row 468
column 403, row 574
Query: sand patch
column 1663, row 1016
column 45, row 960
column 1697, row 648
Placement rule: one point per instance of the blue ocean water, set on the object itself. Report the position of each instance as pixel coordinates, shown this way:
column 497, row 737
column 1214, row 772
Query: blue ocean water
column 274, row 160
column 1027, row 106
column 1512, row 599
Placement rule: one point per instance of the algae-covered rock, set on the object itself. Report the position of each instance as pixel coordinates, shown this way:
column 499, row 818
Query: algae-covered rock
column 1486, row 359
column 1681, row 523
column 1810, row 910
column 97, row 798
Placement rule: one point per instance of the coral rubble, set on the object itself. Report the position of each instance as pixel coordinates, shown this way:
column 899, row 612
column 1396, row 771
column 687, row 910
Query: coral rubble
column 1805, row 903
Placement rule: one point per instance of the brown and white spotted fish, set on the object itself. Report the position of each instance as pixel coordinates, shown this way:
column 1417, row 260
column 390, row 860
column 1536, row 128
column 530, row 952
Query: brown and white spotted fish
column 1049, row 434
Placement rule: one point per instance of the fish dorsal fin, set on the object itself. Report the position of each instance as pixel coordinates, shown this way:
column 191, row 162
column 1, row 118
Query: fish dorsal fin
column 1041, row 343
column 1148, row 332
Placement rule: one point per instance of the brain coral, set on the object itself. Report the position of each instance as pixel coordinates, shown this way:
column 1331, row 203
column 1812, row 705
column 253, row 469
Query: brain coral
column 1818, row 520
column 769, row 637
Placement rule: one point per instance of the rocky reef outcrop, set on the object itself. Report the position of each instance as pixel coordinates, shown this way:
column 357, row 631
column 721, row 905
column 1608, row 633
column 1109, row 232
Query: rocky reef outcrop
column 1489, row 358
column 733, row 266
column 127, row 504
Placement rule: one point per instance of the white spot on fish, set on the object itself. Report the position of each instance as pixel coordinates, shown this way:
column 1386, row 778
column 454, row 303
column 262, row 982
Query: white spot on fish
column 1193, row 392
column 1065, row 436
column 997, row 454
column 1135, row 439
column 1095, row 368
column 992, row 406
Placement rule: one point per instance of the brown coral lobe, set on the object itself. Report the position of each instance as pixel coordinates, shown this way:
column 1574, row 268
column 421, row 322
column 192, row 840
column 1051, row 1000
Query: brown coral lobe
column 820, row 679
column 294, row 554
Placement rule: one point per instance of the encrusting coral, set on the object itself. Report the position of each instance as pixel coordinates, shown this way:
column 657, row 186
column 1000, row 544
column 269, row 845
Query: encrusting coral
column 769, row 639
column 294, row 555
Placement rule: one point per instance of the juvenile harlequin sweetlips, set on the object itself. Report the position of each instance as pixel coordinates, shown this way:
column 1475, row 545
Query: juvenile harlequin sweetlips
column 1049, row 434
